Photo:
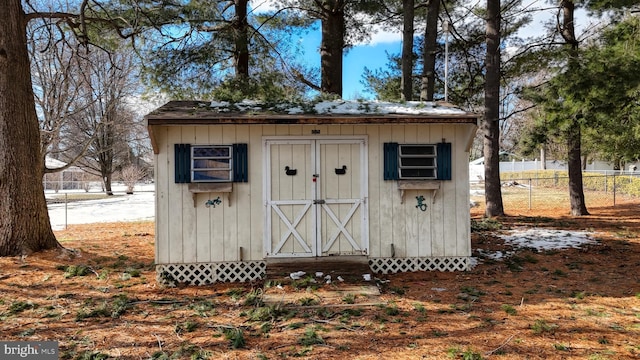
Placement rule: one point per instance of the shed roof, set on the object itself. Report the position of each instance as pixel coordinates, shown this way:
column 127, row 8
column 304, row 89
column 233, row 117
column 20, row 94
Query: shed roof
column 323, row 112
column 175, row 113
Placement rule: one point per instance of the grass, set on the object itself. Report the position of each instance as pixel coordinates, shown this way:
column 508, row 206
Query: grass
column 187, row 326
column 235, row 336
column 118, row 305
column 468, row 354
column 20, row 306
column 75, row 270
column 542, row 327
column 307, row 301
column 349, row 299
column 510, row 310
column 203, row 308
column 392, row 310
column 310, row 337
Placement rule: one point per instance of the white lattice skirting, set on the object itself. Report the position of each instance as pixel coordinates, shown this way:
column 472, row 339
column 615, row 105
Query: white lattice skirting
column 396, row 265
column 209, row 273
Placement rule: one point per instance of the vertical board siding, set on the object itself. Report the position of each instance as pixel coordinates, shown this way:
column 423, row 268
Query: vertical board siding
column 203, row 213
column 242, row 201
column 439, row 205
column 230, row 213
column 397, row 221
column 375, row 177
column 412, row 215
column 161, row 179
column 256, row 208
column 175, row 196
column 185, row 233
column 449, row 224
column 216, row 215
column 461, row 170
column 385, row 203
column 189, row 219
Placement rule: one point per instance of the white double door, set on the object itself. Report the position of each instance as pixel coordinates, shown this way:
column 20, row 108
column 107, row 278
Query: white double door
column 315, row 197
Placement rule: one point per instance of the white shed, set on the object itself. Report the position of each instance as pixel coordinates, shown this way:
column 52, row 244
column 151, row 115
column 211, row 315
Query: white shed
column 240, row 185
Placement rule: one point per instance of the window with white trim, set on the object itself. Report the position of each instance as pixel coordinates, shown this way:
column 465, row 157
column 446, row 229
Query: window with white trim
column 211, row 163
column 416, row 161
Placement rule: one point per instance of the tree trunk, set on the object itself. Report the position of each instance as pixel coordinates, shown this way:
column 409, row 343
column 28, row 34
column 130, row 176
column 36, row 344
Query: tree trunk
column 491, row 124
column 428, row 86
column 106, row 156
column 24, row 218
column 241, row 53
column 332, row 46
column 407, row 51
column 576, row 191
column 107, row 184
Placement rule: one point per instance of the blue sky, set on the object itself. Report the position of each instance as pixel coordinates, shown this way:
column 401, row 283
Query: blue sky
column 372, row 56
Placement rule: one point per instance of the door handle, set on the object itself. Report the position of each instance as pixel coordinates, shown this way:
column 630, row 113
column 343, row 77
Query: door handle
column 315, row 202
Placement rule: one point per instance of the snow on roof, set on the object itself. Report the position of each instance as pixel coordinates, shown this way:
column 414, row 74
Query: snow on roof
column 326, row 112
column 344, row 107
column 52, row 163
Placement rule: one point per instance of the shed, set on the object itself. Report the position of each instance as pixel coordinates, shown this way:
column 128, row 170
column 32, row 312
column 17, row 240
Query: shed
column 242, row 185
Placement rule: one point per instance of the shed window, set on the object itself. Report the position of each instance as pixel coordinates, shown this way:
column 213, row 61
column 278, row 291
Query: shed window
column 211, row 163
column 417, row 161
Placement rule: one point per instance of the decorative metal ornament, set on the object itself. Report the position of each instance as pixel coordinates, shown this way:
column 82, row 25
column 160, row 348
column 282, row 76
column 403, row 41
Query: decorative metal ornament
column 421, row 205
column 213, row 202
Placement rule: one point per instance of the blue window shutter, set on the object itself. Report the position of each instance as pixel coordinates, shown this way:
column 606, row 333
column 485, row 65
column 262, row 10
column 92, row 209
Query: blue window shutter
column 182, row 163
column 390, row 161
column 240, row 163
column 444, row 161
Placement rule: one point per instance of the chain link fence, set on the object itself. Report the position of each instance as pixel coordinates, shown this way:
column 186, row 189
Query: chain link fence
column 94, row 205
column 548, row 189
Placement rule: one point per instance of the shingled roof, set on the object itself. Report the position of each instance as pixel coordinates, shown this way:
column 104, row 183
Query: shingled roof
column 321, row 112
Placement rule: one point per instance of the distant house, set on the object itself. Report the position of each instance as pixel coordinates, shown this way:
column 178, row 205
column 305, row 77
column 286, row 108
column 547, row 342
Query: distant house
column 71, row 178
column 239, row 186
column 510, row 163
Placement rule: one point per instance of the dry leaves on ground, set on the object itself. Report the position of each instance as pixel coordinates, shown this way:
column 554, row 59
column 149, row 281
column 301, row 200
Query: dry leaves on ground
column 99, row 299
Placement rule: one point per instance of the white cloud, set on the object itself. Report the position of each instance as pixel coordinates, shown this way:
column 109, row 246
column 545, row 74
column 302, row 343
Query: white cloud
column 263, row 5
column 380, row 36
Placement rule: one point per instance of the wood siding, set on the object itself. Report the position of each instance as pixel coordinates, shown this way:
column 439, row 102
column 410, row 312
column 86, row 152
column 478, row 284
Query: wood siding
column 234, row 230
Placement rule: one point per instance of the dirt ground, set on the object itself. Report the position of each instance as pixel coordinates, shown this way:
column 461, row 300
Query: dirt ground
column 99, row 299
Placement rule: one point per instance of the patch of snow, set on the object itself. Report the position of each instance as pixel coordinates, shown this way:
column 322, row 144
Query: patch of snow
column 547, row 239
column 540, row 239
column 139, row 206
column 219, row 104
column 295, row 110
column 496, row 255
